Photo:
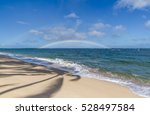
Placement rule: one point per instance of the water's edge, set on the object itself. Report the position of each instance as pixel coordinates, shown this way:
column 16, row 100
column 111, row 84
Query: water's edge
column 82, row 71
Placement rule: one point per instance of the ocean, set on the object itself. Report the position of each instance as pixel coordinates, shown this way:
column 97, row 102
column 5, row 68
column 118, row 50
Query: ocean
column 127, row 67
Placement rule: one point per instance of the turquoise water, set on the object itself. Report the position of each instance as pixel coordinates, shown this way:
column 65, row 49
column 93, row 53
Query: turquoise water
column 128, row 67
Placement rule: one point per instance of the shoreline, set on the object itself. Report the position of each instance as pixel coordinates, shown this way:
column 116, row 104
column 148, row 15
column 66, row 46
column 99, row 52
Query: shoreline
column 20, row 79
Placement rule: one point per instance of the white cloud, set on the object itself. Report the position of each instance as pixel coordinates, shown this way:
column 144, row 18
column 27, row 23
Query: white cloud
column 72, row 15
column 36, row 32
column 98, row 26
column 59, row 33
column 119, row 28
column 22, row 22
column 76, row 19
column 97, row 29
column 133, row 4
column 96, row 33
column 147, row 24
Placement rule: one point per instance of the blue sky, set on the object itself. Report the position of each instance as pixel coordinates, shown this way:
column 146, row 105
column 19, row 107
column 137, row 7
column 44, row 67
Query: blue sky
column 74, row 23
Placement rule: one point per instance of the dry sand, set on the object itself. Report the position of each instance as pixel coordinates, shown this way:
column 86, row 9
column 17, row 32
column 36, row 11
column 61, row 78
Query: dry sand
column 24, row 80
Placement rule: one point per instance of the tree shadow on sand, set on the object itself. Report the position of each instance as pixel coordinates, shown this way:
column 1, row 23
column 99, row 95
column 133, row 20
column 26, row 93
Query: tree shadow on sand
column 50, row 90
column 30, row 84
column 27, row 70
column 75, row 78
column 6, row 85
column 23, row 69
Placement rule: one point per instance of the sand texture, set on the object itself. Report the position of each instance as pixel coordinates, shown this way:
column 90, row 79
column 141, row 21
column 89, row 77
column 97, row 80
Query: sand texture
column 24, row 80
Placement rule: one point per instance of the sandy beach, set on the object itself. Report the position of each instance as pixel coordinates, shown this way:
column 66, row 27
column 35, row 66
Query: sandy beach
column 24, row 80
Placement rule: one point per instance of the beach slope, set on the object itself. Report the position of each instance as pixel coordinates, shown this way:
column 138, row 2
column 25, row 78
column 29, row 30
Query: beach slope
column 24, row 80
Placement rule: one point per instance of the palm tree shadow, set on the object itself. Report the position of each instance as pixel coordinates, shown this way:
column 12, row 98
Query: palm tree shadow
column 25, row 71
column 76, row 78
column 22, row 69
column 50, row 90
column 6, row 85
column 23, row 86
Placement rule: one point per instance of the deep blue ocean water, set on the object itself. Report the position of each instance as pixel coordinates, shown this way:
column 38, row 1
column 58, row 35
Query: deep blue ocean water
column 128, row 67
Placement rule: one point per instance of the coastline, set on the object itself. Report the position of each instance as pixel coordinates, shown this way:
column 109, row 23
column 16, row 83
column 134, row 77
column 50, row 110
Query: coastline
column 25, row 80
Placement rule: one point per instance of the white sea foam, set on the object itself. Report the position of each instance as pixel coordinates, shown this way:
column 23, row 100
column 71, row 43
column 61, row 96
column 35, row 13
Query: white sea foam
column 82, row 70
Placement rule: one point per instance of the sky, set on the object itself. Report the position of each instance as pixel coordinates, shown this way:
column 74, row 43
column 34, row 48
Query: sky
column 74, row 23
